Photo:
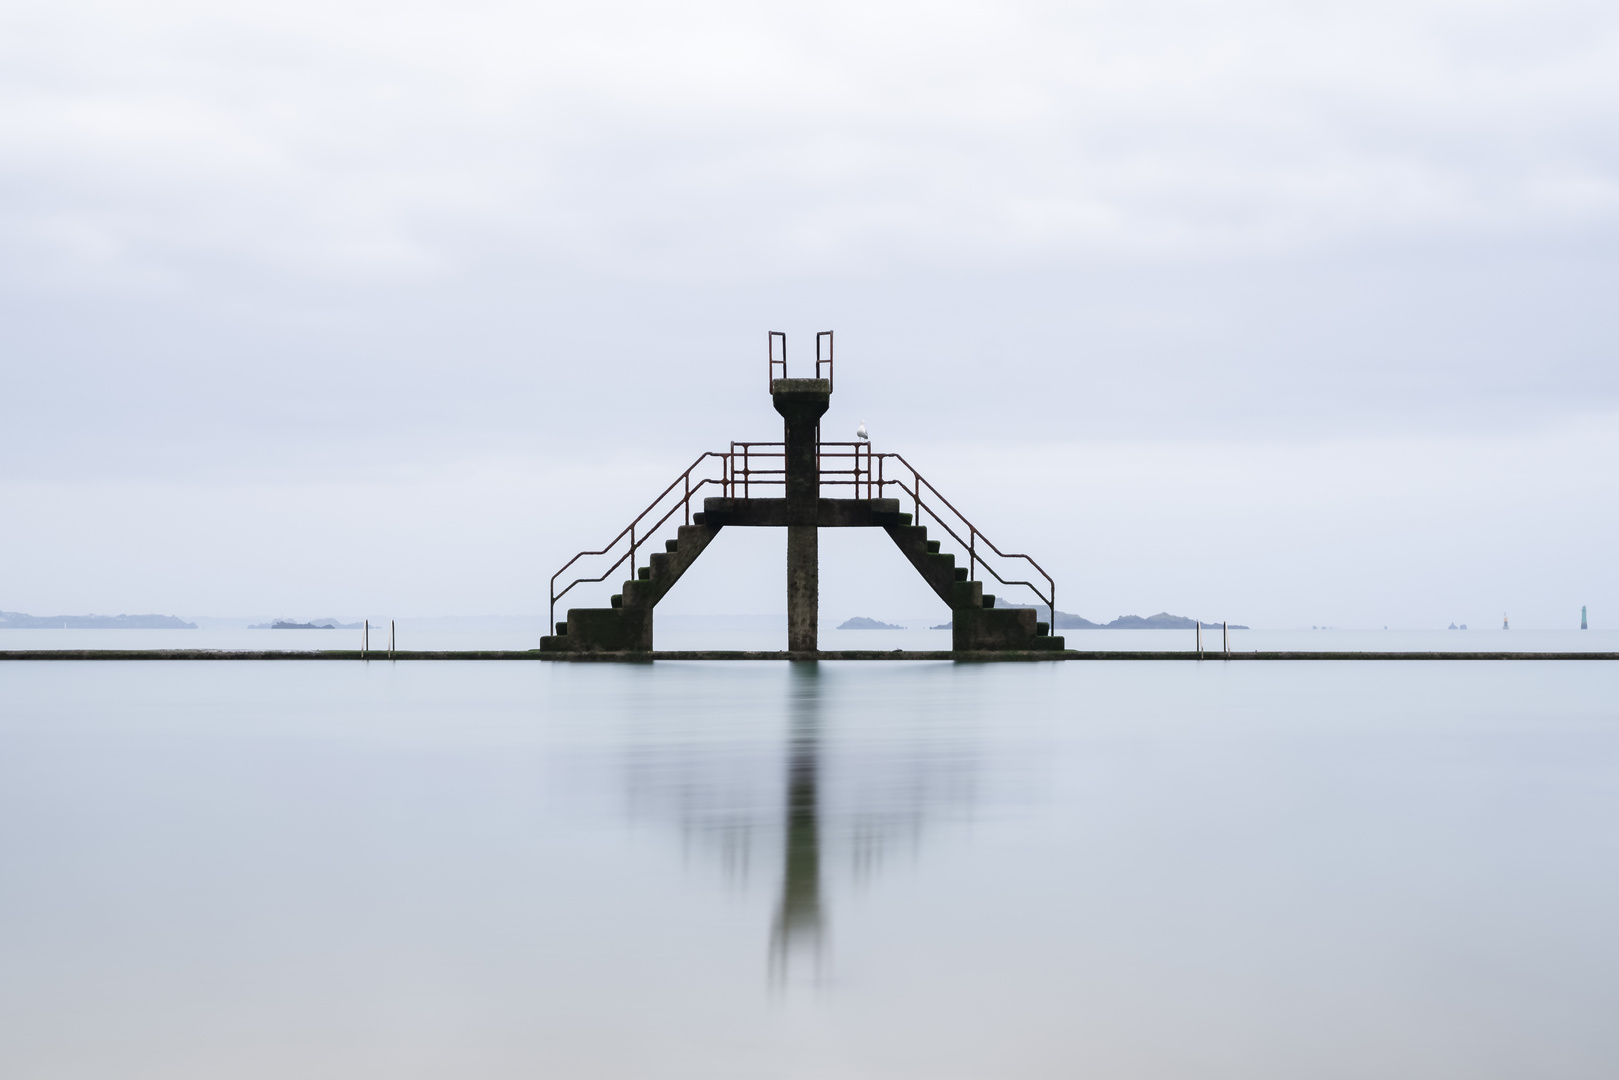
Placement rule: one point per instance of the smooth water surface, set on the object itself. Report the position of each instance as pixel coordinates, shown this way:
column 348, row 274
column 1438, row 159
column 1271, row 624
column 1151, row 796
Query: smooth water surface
column 929, row 870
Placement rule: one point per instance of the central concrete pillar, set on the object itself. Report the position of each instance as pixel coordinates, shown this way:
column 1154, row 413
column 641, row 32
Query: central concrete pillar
column 803, row 587
column 801, row 403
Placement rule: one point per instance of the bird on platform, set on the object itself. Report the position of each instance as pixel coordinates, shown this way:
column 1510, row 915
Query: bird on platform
column 860, row 432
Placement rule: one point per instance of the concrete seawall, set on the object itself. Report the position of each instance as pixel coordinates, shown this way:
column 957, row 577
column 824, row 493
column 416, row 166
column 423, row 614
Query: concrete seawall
column 641, row 657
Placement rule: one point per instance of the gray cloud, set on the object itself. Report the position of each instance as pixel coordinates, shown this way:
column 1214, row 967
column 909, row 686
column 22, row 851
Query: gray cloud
column 277, row 247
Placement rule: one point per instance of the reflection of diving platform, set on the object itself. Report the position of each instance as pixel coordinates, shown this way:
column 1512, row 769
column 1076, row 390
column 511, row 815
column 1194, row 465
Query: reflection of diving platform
column 779, row 485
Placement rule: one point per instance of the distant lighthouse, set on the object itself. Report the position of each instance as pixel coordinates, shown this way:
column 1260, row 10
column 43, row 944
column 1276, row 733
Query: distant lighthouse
column 1504, row 625
column 1582, row 616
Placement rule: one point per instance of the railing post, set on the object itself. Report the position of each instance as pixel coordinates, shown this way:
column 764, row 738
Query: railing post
column 972, row 553
column 632, row 551
column 688, row 497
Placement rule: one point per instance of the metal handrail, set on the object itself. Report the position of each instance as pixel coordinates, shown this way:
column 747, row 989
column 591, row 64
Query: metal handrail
column 867, row 472
column 629, row 530
column 875, row 479
column 770, row 349
column 823, row 334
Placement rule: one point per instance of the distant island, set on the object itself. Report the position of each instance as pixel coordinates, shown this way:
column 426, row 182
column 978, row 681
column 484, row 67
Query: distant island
column 860, row 622
column 16, row 620
column 1069, row 621
column 312, row 624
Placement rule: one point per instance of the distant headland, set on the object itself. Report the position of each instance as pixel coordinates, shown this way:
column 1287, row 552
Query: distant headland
column 860, row 622
column 1161, row 621
column 16, row 620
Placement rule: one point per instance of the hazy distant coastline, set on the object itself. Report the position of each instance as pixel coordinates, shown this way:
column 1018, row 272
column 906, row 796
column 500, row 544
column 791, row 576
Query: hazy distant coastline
column 16, row 620
column 1068, row 621
column 860, row 622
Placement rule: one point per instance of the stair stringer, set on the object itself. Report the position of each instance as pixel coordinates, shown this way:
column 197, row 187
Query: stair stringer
column 976, row 624
column 627, row 625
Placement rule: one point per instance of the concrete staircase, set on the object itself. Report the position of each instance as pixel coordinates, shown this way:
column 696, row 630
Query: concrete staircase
column 626, row 626
column 976, row 623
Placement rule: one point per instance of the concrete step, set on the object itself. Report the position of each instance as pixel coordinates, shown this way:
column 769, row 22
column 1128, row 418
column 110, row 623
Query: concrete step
column 997, row 628
column 602, row 630
column 665, row 568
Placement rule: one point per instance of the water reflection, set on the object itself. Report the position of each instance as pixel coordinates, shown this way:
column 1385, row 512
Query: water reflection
column 799, row 919
column 809, row 793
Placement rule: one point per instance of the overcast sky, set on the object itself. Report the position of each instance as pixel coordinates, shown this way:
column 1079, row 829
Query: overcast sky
column 1283, row 313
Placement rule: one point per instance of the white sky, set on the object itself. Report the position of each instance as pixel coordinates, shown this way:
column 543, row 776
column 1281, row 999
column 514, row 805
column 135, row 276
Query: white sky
column 1286, row 313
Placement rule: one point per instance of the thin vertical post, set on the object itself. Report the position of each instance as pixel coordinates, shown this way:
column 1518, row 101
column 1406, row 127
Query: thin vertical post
column 365, row 640
column 390, row 639
column 972, row 553
column 632, row 551
column 1225, row 638
column 688, row 496
column 1198, row 626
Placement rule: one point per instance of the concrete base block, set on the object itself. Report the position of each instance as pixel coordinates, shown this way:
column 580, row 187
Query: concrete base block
column 604, row 630
column 978, row 628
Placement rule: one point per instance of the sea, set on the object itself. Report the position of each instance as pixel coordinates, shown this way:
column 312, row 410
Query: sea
column 929, row 870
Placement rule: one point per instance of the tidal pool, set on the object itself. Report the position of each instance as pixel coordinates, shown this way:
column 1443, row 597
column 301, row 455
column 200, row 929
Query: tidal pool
column 929, row 870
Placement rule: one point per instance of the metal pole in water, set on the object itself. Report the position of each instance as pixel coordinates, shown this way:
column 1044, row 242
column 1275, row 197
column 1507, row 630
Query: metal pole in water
column 1197, row 625
column 390, row 639
column 1225, row 637
column 365, row 640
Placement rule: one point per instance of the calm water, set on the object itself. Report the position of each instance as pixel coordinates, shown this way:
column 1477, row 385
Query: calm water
column 922, row 870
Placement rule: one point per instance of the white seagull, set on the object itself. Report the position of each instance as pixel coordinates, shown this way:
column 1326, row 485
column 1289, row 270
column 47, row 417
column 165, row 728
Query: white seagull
column 860, row 432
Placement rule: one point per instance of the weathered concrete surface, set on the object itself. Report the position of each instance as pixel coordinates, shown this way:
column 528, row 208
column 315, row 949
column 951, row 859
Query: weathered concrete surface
column 628, row 623
column 897, row 654
column 802, row 403
column 803, row 587
column 999, row 628
column 614, row 629
column 830, row 513
column 664, row 568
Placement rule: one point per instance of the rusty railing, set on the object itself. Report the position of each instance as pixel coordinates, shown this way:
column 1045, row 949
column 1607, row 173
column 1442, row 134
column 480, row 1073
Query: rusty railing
column 749, row 465
column 870, row 474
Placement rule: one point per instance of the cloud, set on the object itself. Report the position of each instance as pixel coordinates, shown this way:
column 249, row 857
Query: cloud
column 355, row 140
